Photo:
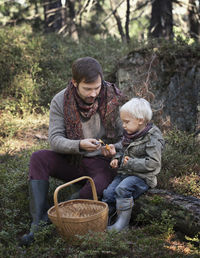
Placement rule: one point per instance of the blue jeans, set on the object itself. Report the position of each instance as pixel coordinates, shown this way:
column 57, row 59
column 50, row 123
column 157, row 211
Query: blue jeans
column 124, row 186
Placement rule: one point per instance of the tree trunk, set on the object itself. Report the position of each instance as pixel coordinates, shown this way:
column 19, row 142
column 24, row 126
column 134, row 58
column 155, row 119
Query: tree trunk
column 118, row 20
column 52, row 15
column 184, row 210
column 72, row 25
column 194, row 19
column 161, row 24
column 127, row 20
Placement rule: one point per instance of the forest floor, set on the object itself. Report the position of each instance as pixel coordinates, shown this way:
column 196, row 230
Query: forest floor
column 20, row 138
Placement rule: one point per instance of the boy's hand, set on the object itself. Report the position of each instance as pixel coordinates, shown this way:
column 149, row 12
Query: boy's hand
column 126, row 158
column 114, row 163
column 108, row 150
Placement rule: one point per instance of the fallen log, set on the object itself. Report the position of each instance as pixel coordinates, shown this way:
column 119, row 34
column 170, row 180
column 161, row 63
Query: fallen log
column 184, row 210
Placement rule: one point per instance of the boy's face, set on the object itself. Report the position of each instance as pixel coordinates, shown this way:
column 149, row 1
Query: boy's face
column 130, row 123
column 88, row 91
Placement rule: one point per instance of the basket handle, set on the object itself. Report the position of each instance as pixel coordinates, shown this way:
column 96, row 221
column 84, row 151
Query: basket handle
column 67, row 184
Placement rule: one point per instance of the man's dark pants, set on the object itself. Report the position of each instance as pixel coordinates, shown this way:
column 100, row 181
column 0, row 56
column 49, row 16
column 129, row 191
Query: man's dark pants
column 47, row 163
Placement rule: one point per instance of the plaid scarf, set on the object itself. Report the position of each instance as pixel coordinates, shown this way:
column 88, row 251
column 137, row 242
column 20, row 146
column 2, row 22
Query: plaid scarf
column 106, row 104
column 128, row 138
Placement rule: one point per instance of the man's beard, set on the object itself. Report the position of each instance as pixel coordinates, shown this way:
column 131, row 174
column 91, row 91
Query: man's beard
column 90, row 100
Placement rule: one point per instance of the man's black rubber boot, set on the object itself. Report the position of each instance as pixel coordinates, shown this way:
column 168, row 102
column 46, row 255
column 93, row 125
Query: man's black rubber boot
column 38, row 191
column 27, row 239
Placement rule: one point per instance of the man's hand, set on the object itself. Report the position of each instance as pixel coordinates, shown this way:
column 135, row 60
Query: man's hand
column 126, row 158
column 89, row 144
column 108, row 152
column 114, row 163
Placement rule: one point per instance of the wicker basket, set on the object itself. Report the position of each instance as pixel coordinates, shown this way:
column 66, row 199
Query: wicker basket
column 78, row 217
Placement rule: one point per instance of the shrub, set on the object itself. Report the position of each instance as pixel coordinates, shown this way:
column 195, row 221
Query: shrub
column 34, row 67
column 180, row 163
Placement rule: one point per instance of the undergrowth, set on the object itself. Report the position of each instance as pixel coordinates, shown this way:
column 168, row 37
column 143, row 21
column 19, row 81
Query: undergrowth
column 155, row 239
column 32, row 70
column 181, row 164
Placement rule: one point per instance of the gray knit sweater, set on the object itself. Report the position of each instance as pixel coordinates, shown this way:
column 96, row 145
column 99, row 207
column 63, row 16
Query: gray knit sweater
column 92, row 128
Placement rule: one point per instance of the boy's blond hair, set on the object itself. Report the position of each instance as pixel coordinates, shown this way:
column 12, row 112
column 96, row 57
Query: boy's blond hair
column 139, row 108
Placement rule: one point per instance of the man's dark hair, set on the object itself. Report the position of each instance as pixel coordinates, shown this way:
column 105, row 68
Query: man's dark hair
column 86, row 69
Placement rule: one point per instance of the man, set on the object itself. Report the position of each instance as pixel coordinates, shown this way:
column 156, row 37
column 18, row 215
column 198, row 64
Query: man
column 80, row 115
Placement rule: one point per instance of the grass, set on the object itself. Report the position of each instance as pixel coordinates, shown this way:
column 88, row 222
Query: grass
column 157, row 239
column 17, row 133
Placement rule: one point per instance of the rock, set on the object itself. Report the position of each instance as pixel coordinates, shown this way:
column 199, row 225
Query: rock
column 169, row 81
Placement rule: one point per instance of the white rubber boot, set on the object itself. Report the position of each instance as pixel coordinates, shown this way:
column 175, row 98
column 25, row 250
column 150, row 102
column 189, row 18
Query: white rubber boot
column 124, row 209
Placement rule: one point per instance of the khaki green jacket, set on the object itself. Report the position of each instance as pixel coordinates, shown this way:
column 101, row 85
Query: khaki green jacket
column 145, row 157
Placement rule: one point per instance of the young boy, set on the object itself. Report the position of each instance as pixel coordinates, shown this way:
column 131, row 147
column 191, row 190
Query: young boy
column 138, row 161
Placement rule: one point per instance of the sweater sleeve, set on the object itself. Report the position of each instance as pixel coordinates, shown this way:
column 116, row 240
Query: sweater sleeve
column 57, row 135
